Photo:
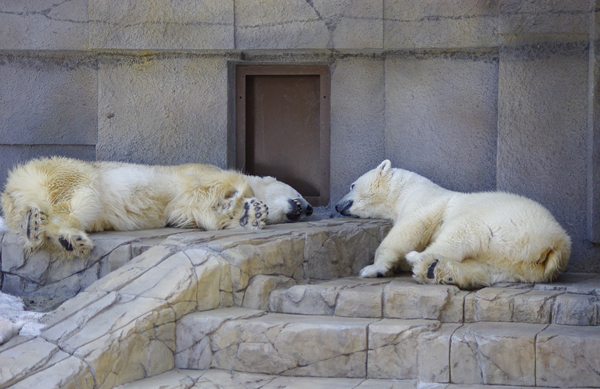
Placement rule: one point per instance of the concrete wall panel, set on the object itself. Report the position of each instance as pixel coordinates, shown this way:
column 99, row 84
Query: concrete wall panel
column 161, row 24
column 48, row 98
column 357, row 119
column 44, row 25
column 441, row 117
column 316, row 24
column 542, row 125
column 417, row 24
column 163, row 109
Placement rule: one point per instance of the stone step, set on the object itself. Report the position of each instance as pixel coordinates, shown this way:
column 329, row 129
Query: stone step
column 484, row 353
column 215, row 378
column 574, row 299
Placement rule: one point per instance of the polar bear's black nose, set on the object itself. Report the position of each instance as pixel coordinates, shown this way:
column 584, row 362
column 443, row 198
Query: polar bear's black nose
column 309, row 210
column 343, row 207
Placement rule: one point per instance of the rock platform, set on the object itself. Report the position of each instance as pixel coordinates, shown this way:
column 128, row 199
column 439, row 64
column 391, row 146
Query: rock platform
column 282, row 307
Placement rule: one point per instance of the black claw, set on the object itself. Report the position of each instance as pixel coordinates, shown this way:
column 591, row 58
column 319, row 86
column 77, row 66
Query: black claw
column 431, row 268
column 66, row 244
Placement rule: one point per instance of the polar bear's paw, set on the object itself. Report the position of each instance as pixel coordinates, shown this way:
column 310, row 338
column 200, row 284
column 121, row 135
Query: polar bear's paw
column 255, row 214
column 33, row 227
column 373, row 271
column 75, row 242
column 227, row 205
column 436, row 271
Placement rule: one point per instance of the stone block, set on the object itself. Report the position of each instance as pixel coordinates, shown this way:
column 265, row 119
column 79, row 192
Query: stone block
column 568, row 356
column 69, row 373
column 437, row 106
column 494, row 354
column 260, row 287
column 404, row 299
column 513, row 305
column 173, row 379
column 281, row 344
column 26, row 358
column 410, row 349
column 117, row 258
column 360, row 301
column 159, row 24
column 48, row 98
column 40, row 25
column 172, row 280
column 339, row 252
column 357, row 101
column 340, row 24
column 193, row 349
column 163, row 108
column 576, row 310
column 305, row 299
column 418, row 24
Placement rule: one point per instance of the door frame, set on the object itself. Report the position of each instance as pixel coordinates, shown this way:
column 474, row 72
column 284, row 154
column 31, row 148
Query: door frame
column 242, row 70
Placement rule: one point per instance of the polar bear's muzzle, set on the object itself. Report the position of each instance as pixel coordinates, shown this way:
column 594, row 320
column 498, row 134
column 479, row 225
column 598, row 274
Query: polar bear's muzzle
column 296, row 210
column 343, row 207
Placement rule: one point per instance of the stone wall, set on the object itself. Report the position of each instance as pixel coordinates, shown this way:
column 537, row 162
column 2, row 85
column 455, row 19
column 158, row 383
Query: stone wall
column 476, row 95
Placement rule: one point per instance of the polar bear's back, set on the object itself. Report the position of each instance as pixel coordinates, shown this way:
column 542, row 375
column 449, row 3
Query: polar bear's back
column 508, row 227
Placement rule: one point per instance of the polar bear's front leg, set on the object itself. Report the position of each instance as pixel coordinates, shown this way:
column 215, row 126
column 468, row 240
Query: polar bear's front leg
column 402, row 238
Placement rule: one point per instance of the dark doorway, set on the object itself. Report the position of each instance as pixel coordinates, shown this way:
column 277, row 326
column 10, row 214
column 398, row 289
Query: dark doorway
column 282, row 126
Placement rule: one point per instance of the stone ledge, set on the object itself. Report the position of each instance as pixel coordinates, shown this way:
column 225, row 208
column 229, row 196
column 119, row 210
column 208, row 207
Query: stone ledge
column 122, row 327
column 490, row 353
column 574, row 299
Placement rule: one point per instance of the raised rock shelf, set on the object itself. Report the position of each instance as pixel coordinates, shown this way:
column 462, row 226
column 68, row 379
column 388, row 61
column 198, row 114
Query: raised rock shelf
column 282, row 308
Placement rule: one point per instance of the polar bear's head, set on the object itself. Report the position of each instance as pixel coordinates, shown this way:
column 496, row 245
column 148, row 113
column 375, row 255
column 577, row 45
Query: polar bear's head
column 369, row 195
column 284, row 202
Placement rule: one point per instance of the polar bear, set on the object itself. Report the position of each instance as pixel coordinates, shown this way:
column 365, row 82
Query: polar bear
column 52, row 202
column 469, row 240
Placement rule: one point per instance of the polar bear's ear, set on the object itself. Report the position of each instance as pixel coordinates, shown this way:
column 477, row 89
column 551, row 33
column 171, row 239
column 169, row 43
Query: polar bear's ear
column 384, row 167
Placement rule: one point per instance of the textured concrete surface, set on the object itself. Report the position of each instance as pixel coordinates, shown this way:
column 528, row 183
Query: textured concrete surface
column 475, row 95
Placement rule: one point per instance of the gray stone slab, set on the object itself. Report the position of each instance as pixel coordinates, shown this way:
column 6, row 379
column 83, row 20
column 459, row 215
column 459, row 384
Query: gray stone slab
column 48, row 98
column 41, row 25
column 344, row 24
column 418, row 24
column 163, row 108
column 160, row 24
column 410, row 349
column 494, row 354
column 437, row 106
column 568, row 357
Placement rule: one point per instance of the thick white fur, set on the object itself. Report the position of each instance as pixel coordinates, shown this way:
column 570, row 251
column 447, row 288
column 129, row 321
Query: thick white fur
column 446, row 237
column 52, row 202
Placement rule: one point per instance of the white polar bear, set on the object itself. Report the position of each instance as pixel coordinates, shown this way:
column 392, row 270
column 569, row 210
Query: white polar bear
column 52, row 202
column 469, row 240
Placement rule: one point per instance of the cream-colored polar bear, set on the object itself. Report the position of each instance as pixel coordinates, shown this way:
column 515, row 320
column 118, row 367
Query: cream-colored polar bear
column 52, row 202
column 469, row 240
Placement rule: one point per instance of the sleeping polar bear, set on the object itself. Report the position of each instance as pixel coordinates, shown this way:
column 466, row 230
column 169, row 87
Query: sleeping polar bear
column 52, row 202
column 470, row 240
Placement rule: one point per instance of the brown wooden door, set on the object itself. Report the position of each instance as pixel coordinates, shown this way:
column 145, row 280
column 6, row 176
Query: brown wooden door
column 282, row 126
